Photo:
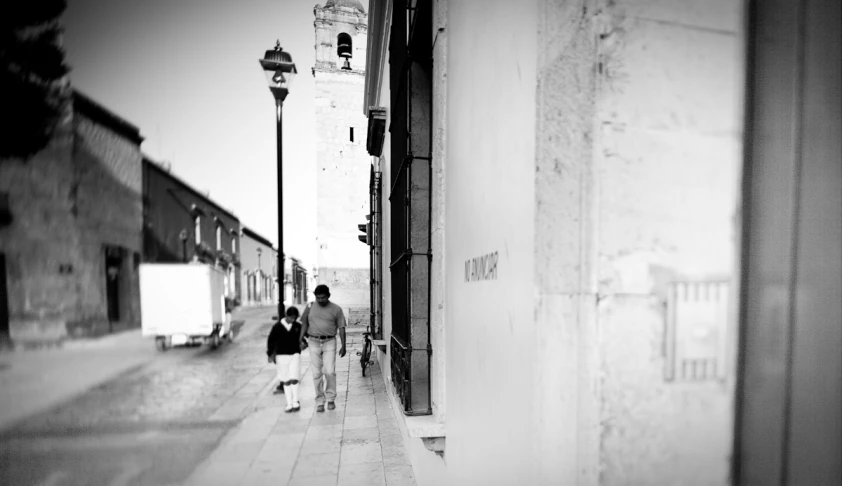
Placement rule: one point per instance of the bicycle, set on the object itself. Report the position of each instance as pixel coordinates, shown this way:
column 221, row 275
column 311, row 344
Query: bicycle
column 365, row 354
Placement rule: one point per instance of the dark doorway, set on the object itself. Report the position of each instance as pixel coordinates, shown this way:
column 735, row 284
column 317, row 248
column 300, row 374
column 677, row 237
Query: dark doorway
column 113, row 268
column 4, row 301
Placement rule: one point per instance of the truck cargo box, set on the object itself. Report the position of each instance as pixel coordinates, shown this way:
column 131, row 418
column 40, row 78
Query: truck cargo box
column 183, row 300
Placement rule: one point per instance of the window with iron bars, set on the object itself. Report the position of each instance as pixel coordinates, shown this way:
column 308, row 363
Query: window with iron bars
column 375, row 259
column 410, row 200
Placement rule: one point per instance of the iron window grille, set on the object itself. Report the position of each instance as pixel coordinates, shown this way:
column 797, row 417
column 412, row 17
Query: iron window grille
column 375, row 259
column 410, row 347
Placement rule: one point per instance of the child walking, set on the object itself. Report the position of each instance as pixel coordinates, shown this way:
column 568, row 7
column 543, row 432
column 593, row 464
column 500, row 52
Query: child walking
column 284, row 349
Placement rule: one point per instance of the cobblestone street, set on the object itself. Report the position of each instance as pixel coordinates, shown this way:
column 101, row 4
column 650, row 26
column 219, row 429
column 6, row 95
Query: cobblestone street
column 203, row 416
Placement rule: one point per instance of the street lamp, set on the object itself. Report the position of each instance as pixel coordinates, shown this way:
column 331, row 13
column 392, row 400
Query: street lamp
column 279, row 70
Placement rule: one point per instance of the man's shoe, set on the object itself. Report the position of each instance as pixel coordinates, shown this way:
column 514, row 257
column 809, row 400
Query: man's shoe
column 289, row 409
column 330, row 405
column 320, row 408
column 296, row 407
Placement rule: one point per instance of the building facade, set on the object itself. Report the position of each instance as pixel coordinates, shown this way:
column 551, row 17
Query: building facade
column 342, row 162
column 573, row 221
column 180, row 224
column 260, row 276
column 70, row 243
column 259, row 267
column 296, row 285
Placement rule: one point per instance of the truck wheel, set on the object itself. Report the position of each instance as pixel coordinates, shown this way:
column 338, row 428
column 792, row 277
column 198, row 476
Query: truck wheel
column 161, row 343
column 214, row 341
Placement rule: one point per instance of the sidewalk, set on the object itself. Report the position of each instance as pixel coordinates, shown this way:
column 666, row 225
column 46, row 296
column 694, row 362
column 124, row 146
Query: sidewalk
column 359, row 443
column 35, row 380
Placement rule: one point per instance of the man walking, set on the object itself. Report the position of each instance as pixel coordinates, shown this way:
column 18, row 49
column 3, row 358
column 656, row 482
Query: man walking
column 321, row 322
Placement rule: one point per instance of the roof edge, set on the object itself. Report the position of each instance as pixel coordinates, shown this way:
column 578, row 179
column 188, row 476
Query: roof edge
column 95, row 111
column 157, row 165
column 255, row 236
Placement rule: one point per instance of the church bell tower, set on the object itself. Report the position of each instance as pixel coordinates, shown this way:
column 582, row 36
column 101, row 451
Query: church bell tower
column 342, row 162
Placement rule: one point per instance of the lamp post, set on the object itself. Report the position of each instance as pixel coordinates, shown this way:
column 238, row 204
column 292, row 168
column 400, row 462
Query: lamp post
column 279, row 70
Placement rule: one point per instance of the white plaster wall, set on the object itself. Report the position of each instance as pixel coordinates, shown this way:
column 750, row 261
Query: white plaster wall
column 490, row 197
column 668, row 162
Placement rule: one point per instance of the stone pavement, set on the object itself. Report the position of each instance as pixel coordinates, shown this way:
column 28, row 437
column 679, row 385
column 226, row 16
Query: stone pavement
column 358, row 443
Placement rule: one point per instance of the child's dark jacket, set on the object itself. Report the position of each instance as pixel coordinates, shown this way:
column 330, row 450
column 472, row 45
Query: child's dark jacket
column 282, row 341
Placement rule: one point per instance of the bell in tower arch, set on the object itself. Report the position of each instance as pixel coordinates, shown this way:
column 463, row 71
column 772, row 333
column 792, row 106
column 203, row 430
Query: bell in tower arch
column 343, row 49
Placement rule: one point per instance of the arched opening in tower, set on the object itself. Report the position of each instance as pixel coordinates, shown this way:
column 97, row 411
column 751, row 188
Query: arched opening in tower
column 344, row 49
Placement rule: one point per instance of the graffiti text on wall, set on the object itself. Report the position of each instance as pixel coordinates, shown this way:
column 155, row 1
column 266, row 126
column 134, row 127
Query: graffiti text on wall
column 481, row 268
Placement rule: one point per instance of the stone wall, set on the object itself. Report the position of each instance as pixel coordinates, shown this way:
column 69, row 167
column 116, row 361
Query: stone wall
column 68, row 202
column 40, row 243
column 109, row 212
column 349, row 287
column 567, row 382
column 437, row 229
column 358, row 316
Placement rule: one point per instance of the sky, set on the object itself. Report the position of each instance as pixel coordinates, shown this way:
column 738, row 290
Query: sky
column 186, row 73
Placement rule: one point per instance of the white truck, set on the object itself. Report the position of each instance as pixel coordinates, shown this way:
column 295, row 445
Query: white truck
column 184, row 303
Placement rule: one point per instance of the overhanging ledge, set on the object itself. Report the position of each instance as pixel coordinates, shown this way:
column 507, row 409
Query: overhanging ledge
column 435, row 444
column 376, row 130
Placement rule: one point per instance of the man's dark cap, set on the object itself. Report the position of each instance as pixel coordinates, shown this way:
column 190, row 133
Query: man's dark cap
column 321, row 289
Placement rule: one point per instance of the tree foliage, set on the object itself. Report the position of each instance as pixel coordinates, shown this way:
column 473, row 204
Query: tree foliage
column 32, row 75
